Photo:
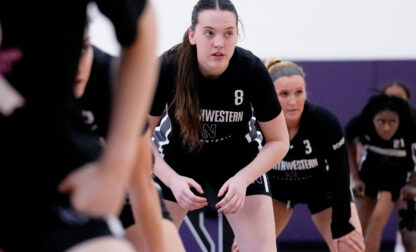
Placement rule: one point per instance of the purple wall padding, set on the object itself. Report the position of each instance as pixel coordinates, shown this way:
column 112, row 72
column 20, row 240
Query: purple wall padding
column 345, row 86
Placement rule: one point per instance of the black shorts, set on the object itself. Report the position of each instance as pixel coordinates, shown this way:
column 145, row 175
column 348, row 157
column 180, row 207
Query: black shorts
column 52, row 229
column 373, row 191
column 313, row 192
column 126, row 215
column 260, row 186
column 378, row 179
column 214, row 165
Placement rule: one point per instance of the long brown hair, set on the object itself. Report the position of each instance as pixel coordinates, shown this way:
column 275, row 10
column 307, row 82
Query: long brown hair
column 185, row 101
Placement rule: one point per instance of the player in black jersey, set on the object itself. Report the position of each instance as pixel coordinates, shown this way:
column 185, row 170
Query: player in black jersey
column 384, row 133
column 43, row 138
column 210, row 87
column 315, row 170
column 94, row 87
column 406, row 236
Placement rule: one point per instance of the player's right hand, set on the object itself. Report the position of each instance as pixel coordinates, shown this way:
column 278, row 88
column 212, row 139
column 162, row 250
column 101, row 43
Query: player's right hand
column 358, row 187
column 181, row 188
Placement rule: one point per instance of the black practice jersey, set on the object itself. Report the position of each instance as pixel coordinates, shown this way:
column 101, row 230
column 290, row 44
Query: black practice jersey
column 48, row 131
column 313, row 149
column 384, row 164
column 96, row 101
column 41, row 142
column 317, row 152
column 226, row 102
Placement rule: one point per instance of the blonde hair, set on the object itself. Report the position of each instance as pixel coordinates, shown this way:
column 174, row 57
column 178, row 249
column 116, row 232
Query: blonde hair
column 278, row 68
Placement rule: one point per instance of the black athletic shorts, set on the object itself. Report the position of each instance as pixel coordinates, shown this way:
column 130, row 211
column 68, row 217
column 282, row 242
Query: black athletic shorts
column 52, row 228
column 313, row 192
column 377, row 179
column 372, row 191
column 213, row 166
column 260, row 186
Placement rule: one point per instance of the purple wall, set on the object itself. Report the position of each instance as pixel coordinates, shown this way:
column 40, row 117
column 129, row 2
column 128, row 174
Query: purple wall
column 345, row 86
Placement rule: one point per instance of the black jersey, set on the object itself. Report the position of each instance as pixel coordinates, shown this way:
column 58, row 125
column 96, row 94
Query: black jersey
column 317, row 153
column 226, row 102
column 384, row 165
column 96, row 105
column 313, row 147
column 48, row 129
column 96, row 101
column 46, row 139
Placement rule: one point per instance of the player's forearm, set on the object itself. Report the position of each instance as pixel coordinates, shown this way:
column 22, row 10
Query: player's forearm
column 162, row 170
column 144, row 197
column 276, row 147
column 341, row 195
column 271, row 153
column 133, row 95
column 147, row 214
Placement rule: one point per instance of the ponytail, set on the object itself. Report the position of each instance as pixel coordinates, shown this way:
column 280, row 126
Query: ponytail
column 187, row 106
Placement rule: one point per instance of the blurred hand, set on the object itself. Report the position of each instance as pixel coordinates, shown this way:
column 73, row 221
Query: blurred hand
column 408, row 192
column 352, row 241
column 94, row 190
column 181, row 188
column 358, row 187
column 235, row 194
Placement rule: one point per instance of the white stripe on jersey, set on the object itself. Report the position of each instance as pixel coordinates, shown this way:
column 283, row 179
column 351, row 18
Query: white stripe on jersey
column 266, row 184
column 158, row 137
column 363, row 158
column 253, row 133
column 115, row 227
column 387, row 152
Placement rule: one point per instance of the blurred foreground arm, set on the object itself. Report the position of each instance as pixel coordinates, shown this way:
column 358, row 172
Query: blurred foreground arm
column 100, row 188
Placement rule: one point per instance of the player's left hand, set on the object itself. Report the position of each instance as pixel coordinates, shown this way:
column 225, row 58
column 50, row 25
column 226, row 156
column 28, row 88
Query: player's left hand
column 235, row 194
column 352, row 241
column 408, row 192
column 94, row 190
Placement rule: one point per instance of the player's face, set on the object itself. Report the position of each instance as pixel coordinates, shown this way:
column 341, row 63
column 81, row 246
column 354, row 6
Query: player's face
column 397, row 91
column 215, row 37
column 292, row 96
column 386, row 123
column 84, row 67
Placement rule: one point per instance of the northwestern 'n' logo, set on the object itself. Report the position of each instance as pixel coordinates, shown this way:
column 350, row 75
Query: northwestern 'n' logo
column 209, row 131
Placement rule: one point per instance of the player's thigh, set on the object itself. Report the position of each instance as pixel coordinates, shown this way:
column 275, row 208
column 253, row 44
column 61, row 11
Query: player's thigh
column 282, row 213
column 253, row 225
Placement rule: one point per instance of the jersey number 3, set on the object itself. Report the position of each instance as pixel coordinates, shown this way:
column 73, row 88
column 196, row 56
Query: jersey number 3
column 308, row 147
